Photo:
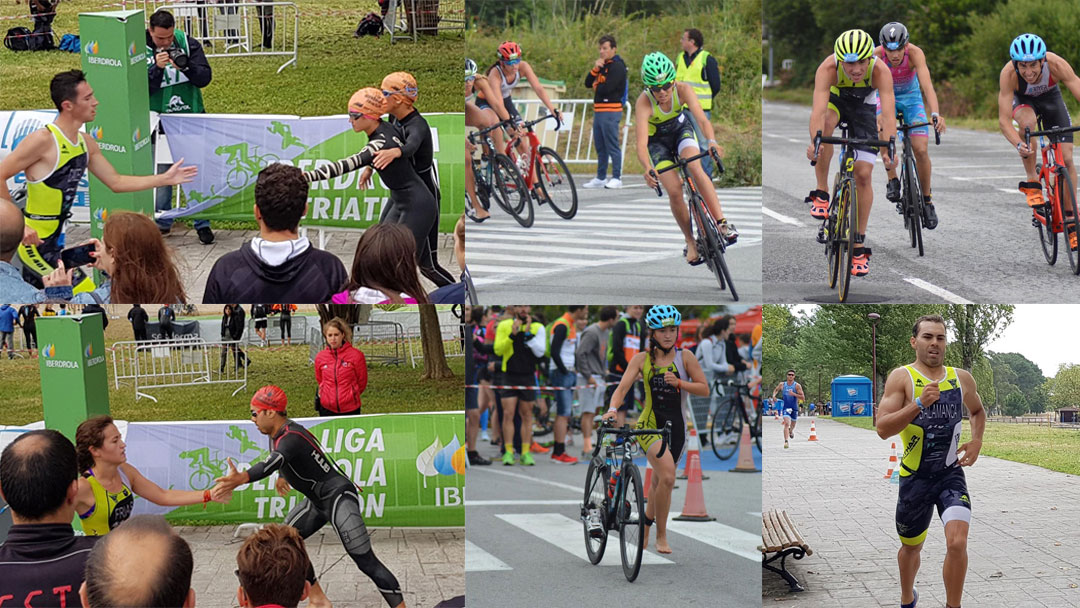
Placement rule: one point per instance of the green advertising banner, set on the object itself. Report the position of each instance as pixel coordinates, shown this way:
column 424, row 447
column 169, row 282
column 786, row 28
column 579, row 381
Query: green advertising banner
column 114, row 60
column 410, row 468
column 74, row 378
column 231, row 150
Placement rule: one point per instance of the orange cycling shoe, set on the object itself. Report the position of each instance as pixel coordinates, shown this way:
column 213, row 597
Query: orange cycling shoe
column 860, row 264
column 819, row 204
column 1033, row 191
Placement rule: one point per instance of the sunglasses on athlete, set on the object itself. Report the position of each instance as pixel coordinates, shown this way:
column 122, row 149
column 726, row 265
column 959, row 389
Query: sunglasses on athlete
column 359, row 115
column 405, row 91
column 470, row 78
column 514, row 61
column 664, row 87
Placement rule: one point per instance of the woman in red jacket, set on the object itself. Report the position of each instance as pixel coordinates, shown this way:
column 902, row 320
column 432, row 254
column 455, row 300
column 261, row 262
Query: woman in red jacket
column 340, row 371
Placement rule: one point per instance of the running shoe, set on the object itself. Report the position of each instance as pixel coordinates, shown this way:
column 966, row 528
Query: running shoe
column 565, row 458
column 508, row 458
column 595, row 182
column 539, row 449
column 527, row 459
column 613, row 184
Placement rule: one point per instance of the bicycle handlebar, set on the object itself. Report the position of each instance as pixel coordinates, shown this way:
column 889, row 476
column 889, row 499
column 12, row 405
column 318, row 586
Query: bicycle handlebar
column 485, row 131
column 849, row 141
column 1028, row 133
column 937, row 136
column 682, row 162
column 529, row 125
column 605, row 429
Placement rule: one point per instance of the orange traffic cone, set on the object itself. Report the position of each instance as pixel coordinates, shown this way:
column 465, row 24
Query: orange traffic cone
column 746, row 455
column 694, row 507
column 693, row 446
column 813, row 432
column 892, row 462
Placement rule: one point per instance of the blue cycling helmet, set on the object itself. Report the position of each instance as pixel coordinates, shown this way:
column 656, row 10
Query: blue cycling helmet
column 663, row 316
column 1027, row 47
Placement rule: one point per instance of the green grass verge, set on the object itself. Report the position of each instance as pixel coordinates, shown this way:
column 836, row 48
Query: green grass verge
column 331, row 66
column 1046, row 447
column 390, row 388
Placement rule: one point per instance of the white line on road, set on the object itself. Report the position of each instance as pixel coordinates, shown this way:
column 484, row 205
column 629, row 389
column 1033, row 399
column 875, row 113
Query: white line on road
column 979, row 178
column 566, row 534
column 934, row 289
column 791, row 139
column 781, row 217
column 501, row 503
column 725, row 538
column 576, row 489
column 478, row 560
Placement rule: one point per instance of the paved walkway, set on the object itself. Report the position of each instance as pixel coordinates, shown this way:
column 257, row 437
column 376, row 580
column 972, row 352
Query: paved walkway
column 428, row 563
column 196, row 259
column 1022, row 548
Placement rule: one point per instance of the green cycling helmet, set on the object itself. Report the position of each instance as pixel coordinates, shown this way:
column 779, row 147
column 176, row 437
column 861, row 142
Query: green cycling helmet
column 657, row 70
column 852, row 46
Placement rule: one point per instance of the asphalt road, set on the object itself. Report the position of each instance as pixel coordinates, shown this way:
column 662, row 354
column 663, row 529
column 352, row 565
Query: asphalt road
column 983, row 250
column 623, row 246
column 524, row 535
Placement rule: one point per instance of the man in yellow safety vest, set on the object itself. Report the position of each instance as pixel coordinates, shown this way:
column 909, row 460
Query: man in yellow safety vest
column 697, row 68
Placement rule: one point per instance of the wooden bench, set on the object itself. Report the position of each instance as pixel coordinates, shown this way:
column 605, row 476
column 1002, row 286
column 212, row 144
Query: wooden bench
column 780, row 538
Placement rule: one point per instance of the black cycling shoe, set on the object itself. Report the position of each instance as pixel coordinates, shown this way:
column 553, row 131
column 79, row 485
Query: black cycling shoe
column 929, row 218
column 892, row 190
column 206, row 236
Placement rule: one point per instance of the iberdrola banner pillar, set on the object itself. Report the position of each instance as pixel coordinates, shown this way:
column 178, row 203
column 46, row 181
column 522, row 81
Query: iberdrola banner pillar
column 74, row 379
column 114, row 60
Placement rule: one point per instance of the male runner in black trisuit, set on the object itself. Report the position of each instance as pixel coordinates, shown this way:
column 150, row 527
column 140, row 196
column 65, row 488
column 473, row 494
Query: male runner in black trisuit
column 330, row 495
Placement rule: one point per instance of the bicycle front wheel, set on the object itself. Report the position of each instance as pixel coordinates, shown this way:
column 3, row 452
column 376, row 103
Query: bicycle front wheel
column 556, row 183
column 914, row 205
column 511, row 189
column 1067, row 196
column 631, row 521
column 1044, row 224
column 483, row 193
column 726, row 430
column 832, row 251
column 845, row 235
column 714, row 247
column 593, row 511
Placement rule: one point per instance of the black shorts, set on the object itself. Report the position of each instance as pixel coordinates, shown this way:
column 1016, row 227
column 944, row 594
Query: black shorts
column 508, row 103
column 860, row 116
column 669, row 140
column 919, row 494
column 1051, row 110
column 472, row 401
column 482, row 372
column 260, row 324
column 523, row 394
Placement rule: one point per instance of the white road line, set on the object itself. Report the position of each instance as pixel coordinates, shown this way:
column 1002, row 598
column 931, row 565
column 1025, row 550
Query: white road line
column 529, row 478
column 500, row 503
column 478, row 560
column 781, row 217
column 1009, row 166
column 566, row 534
column 934, row 289
column 979, row 178
column 754, row 513
column 733, row 540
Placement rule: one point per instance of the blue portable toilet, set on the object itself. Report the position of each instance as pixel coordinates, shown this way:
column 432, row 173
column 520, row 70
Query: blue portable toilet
column 852, row 396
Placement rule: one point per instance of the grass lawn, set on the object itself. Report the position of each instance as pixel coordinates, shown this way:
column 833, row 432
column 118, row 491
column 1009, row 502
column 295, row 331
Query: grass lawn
column 390, row 388
column 331, row 65
column 1051, row 448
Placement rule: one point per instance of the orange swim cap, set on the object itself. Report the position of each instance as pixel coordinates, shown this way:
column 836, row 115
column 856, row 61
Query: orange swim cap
column 368, row 101
column 400, row 83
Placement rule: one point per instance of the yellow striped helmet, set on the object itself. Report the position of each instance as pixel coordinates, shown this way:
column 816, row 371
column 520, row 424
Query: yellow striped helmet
column 853, row 45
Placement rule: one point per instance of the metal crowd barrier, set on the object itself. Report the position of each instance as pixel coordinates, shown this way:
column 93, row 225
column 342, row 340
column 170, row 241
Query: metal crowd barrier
column 407, row 18
column 237, row 29
column 163, row 365
column 453, row 339
column 380, row 341
column 123, row 356
column 298, row 330
column 574, row 139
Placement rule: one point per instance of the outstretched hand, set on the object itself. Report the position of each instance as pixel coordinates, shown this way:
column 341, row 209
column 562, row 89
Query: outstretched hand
column 282, row 486
column 178, row 174
column 385, row 156
column 219, row 493
column 233, row 479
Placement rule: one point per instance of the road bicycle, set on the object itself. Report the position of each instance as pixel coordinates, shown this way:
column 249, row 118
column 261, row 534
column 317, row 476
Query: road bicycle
column 548, row 170
column 710, row 244
column 726, row 423
column 839, row 227
column 1059, row 212
column 497, row 178
column 911, row 204
column 615, row 496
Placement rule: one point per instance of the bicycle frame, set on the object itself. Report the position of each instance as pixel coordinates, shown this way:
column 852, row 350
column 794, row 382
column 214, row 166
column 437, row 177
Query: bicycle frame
column 627, row 460
column 534, row 148
column 1048, row 170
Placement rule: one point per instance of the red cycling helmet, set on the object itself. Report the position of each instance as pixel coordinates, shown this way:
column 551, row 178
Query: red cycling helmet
column 509, row 50
column 270, row 397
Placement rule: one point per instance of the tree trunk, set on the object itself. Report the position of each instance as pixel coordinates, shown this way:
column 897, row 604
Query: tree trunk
column 435, row 366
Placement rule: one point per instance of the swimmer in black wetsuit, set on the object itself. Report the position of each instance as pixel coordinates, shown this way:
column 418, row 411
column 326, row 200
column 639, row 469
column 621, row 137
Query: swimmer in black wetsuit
column 329, row 495
column 411, row 202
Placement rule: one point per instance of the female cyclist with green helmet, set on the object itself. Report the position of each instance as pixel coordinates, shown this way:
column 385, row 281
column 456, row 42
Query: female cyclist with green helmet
column 663, row 132
column 671, row 374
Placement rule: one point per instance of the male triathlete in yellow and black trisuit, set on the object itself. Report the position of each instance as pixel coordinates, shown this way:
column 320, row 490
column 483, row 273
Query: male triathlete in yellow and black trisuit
column 54, row 159
column 924, row 403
